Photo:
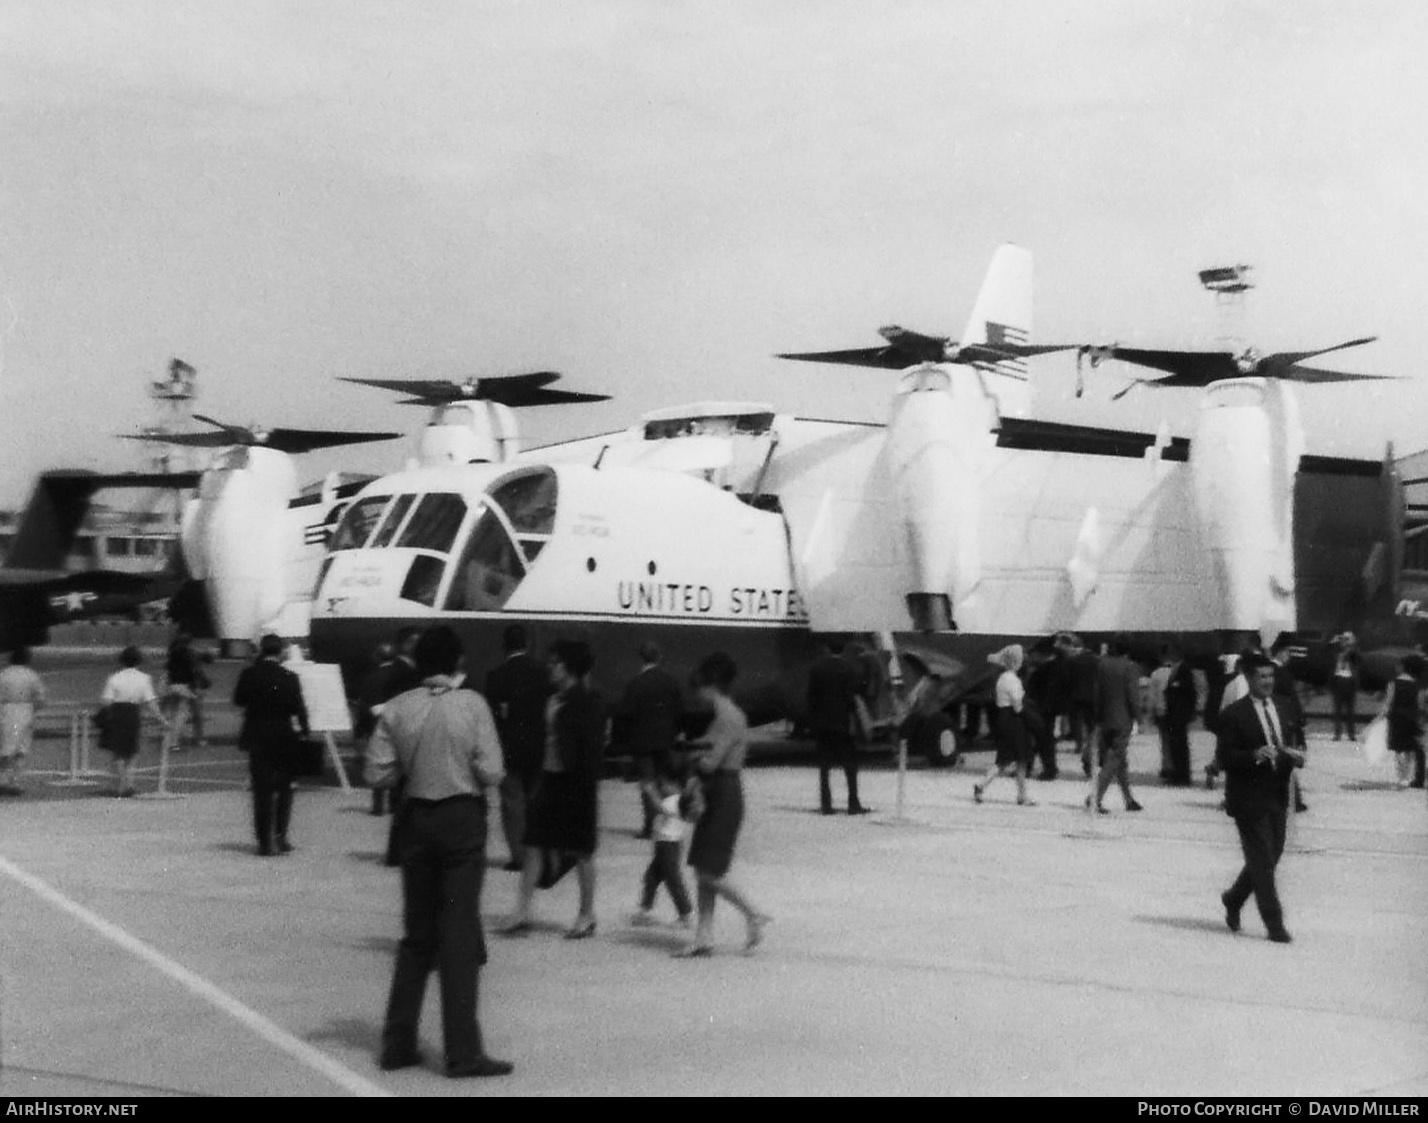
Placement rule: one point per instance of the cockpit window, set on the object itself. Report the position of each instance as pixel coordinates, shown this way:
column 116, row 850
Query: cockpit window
column 489, row 570
column 358, row 522
column 387, row 531
column 434, row 523
column 423, row 580
column 529, row 502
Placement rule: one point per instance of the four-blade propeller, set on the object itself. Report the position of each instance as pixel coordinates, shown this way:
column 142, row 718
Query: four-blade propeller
column 283, row 440
column 1201, row 368
column 515, row 390
column 906, row 348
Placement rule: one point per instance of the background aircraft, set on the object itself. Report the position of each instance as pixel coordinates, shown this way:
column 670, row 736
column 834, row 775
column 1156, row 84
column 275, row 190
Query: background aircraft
column 36, row 587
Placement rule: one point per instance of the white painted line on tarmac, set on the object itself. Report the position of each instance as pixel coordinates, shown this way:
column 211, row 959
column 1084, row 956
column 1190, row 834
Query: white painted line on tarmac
column 200, row 987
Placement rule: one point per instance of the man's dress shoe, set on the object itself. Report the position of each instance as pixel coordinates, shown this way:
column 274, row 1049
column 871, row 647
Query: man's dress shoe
column 481, row 1066
column 1232, row 914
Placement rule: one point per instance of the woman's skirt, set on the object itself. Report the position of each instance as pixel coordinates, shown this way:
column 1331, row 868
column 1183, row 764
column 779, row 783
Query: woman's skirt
column 1405, row 734
column 17, row 725
column 717, row 830
column 120, row 735
column 562, row 815
column 1009, row 733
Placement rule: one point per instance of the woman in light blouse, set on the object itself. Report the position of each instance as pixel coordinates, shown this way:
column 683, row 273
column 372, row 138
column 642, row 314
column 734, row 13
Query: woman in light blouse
column 1007, row 728
column 716, row 832
column 127, row 693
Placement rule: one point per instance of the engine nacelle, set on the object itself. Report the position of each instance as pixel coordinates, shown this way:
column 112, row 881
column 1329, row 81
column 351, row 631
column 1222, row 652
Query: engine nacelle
column 469, row 432
column 940, row 433
column 1244, row 458
column 236, row 539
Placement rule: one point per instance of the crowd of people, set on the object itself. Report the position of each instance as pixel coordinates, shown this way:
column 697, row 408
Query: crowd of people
column 533, row 742
column 442, row 750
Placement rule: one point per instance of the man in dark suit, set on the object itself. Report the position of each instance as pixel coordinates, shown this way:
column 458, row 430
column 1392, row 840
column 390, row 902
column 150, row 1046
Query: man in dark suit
column 271, row 700
column 395, row 674
column 649, row 716
column 1253, row 749
column 1117, row 704
column 517, row 690
column 1081, row 670
column 1181, row 698
column 1344, row 683
column 833, row 685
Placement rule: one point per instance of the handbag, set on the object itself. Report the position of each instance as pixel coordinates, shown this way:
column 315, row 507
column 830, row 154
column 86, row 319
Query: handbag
column 305, row 757
column 1373, row 742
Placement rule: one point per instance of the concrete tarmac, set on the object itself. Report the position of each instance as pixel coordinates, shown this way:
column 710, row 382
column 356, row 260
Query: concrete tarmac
column 956, row 950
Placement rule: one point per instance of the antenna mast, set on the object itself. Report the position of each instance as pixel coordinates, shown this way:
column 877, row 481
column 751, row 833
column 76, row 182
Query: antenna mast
column 1230, row 284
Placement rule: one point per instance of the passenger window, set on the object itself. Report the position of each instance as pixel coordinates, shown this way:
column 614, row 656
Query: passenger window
column 423, row 580
column 489, row 570
column 388, row 529
column 358, row 522
column 434, row 523
column 529, row 502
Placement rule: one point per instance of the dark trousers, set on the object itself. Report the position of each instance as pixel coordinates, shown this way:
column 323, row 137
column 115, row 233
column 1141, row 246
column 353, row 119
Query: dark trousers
column 443, row 855
column 1115, row 746
column 272, row 798
column 664, row 870
column 837, row 750
column 516, row 788
column 1043, row 741
column 1083, row 723
column 1343, row 695
column 1262, row 840
column 1175, row 735
column 393, row 858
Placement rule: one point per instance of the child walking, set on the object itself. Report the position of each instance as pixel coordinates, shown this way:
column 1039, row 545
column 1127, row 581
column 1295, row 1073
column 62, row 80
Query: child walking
column 662, row 798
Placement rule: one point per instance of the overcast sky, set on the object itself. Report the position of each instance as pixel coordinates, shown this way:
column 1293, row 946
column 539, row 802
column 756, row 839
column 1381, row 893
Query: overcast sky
column 654, row 197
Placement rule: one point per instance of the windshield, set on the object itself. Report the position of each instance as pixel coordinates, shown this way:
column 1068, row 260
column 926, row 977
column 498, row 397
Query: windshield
column 489, row 569
column 434, row 523
column 358, row 522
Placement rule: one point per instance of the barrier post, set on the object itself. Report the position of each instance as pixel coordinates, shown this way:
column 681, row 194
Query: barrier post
column 79, row 771
column 336, row 759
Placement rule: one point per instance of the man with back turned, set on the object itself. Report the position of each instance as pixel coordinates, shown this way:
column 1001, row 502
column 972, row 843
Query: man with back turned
column 441, row 742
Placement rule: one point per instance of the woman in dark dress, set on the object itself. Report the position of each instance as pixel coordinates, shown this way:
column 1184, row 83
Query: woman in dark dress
column 562, row 814
column 717, row 830
column 1404, row 711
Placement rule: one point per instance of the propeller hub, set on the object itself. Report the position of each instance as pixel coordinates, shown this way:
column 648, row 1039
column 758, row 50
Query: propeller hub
column 1247, row 362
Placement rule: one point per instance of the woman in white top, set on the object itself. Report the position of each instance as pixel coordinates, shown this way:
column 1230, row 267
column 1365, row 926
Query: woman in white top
column 1007, row 728
column 21, row 694
column 126, row 694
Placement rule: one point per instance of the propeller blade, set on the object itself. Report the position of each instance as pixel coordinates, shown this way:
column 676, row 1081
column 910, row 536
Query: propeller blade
column 881, row 357
column 517, row 396
column 1314, row 375
column 1272, row 365
column 433, row 392
column 224, row 439
column 306, row 440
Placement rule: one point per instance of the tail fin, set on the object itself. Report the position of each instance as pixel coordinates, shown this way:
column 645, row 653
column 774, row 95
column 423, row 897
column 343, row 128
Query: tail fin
column 58, row 505
column 1002, row 313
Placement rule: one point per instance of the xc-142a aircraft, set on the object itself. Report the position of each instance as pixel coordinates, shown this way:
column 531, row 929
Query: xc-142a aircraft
column 952, row 527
